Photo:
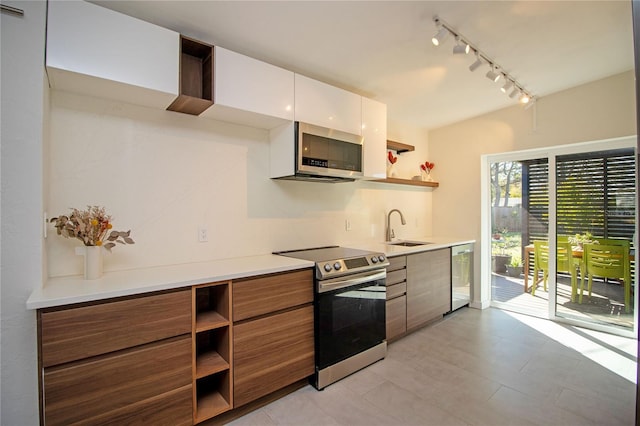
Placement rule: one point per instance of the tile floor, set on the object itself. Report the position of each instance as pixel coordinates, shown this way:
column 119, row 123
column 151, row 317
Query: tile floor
column 475, row 367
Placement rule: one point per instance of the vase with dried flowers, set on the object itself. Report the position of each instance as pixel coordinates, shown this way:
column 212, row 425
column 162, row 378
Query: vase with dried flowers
column 93, row 227
column 425, row 171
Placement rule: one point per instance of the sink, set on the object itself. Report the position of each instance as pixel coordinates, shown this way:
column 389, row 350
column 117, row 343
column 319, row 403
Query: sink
column 409, row 243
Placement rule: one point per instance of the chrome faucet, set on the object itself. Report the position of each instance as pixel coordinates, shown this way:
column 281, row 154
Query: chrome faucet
column 390, row 233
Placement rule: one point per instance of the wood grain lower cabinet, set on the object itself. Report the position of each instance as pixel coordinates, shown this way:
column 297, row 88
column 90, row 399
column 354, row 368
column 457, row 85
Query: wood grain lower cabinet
column 396, row 306
column 86, row 390
column 428, row 286
column 122, row 361
column 273, row 333
column 271, row 353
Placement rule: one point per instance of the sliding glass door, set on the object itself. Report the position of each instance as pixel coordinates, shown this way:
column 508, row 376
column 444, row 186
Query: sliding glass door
column 519, row 214
column 595, row 209
column 557, row 212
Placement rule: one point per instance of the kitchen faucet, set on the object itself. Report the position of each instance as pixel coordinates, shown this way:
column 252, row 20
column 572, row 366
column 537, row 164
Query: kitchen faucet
column 390, row 233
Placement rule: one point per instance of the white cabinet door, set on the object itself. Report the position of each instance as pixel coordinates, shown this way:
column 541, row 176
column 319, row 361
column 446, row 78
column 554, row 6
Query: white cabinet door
column 327, row 106
column 251, row 92
column 96, row 51
column 374, row 132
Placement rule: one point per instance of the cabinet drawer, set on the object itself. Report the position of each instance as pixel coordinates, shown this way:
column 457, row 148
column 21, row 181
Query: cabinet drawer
column 99, row 385
column 272, row 352
column 76, row 333
column 173, row 408
column 395, row 277
column 396, row 317
column 258, row 296
column 396, row 290
column 398, row 262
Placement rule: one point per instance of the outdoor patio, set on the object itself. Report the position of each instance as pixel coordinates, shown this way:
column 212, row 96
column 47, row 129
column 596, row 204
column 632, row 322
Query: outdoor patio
column 606, row 304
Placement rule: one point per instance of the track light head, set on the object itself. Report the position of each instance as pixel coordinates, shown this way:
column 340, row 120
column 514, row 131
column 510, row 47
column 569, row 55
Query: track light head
column 508, row 85
column 524, row 99
column 474, row 66
column 493, row 74
column 461, row 48
column 514, row 93
column 440, row 36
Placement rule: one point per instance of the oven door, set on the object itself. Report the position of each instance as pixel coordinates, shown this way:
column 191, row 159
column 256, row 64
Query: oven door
column 350, row 316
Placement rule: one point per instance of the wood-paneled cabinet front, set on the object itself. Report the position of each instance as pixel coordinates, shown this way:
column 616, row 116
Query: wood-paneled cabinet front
column 119, row 361
column 273, row 333
column 271, row 353
column 396, row 306
column 428, row 286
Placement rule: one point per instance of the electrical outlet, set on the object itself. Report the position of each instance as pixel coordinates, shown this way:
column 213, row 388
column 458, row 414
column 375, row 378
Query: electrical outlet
column 347, row 225
column 203, row 236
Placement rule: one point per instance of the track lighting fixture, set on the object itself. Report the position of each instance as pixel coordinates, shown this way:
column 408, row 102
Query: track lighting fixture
column 460, row 48
column 464, row 46
column 441, row 35
column 474, row 66
column 493, row 73
column 508, row 85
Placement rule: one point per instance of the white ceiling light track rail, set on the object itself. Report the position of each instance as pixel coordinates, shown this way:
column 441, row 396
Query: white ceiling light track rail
column 496, row 72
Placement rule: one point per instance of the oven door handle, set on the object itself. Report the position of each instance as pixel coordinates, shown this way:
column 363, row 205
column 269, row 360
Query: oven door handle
column 329, row 285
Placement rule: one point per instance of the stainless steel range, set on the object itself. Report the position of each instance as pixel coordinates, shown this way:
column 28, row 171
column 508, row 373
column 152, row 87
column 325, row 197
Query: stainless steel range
column 350, row 297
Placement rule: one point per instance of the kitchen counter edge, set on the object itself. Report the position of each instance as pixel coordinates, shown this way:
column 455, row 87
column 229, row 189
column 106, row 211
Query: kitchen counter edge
column 68, row 290
column 435, row 243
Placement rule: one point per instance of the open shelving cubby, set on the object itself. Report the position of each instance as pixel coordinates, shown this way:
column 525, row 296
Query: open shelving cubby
column 196, row 77
column 401, row 148
column 212, row 350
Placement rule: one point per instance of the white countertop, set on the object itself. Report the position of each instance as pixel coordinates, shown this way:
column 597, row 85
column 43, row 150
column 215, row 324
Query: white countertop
column 67, row 290
column 74, row 289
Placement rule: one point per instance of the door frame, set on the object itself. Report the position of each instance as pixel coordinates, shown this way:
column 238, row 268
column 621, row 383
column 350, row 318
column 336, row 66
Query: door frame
column 550, row 153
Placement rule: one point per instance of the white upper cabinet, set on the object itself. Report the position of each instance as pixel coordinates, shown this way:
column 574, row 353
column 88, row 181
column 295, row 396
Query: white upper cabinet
column 96, row 51
column 250, row 92
column 327, row 106
column 374, row 132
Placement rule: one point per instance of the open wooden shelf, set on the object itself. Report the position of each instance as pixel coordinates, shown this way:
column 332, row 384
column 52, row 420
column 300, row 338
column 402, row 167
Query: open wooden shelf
column 210, row 320
column 409, row 182
column 212, row 341
column 210, row 405
column 399, row 147
column 210, row 363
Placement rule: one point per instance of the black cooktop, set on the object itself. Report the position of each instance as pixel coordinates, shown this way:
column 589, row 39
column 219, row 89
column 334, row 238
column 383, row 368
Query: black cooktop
column 321, row 254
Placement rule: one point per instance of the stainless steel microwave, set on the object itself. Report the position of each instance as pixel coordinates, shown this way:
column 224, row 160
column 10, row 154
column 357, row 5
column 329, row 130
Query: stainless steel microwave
column 327, row 154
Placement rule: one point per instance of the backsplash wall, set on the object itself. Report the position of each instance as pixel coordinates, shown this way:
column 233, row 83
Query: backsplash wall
column 163, row 174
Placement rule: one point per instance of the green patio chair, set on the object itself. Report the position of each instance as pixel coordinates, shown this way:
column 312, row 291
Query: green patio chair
column 608, row 261
column 564, row 263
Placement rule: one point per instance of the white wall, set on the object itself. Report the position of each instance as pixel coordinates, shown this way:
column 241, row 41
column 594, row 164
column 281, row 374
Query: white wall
column 600, row 110
column 21, row 174
column 162, row 174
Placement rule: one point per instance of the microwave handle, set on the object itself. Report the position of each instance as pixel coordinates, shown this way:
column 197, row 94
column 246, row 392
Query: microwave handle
column 329, row 285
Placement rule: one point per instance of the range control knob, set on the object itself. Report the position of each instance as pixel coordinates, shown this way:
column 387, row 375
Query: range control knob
column 327, row 267
column 337, row 266
column 382, row 258
column 374, row 259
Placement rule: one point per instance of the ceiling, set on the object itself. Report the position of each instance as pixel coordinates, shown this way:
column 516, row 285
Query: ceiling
column 382, row 49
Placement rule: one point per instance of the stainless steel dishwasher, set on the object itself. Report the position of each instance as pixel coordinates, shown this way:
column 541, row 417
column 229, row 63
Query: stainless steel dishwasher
column 461, row 275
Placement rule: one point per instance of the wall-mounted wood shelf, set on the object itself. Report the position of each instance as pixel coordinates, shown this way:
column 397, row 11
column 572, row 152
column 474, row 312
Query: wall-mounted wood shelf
column 409, row 182
column 399, row 147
